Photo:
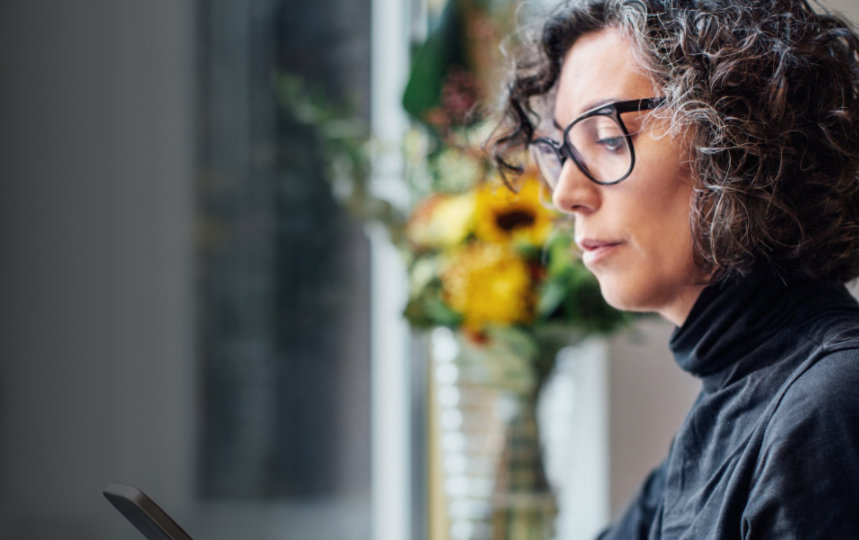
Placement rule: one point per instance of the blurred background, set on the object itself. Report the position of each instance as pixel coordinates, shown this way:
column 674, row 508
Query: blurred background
column 188, row 307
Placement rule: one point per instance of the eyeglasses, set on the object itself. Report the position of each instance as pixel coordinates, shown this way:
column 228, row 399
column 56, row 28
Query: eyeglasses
column 597, row 141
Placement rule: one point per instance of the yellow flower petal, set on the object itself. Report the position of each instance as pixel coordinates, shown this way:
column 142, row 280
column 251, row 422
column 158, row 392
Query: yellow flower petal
column 442, row 221
column 505, row 216
column 489, row 283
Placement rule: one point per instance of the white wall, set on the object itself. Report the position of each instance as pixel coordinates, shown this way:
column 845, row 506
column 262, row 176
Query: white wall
column 649, row 395
column 848, row 8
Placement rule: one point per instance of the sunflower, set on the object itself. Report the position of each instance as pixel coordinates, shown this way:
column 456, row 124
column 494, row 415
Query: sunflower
column 504, row 216
column 488, row 283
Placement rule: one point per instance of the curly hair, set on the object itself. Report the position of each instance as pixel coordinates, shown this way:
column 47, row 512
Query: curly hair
column 767, row 94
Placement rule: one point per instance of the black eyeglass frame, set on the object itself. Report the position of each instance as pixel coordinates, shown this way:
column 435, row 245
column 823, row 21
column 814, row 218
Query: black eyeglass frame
column 564, row 149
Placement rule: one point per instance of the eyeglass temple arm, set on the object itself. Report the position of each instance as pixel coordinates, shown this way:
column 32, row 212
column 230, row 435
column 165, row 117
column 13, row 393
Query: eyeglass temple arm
column 643, row 104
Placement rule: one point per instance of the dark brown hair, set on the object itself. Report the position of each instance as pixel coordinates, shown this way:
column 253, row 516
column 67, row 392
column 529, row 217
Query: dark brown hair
column 765, row 92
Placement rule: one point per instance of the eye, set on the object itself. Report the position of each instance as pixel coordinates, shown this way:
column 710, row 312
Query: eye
column 608, row 135
column 598, row 134
column 612, row 143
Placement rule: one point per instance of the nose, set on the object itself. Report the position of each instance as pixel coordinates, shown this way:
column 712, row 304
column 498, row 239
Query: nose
column 575, row 193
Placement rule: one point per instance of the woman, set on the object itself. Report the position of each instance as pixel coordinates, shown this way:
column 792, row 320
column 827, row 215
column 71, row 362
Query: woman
column 708, row 152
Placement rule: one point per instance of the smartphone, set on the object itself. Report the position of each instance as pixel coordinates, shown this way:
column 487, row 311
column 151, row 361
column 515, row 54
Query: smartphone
column 143, row 513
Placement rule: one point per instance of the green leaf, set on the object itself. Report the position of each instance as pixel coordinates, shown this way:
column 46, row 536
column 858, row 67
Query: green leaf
column 552, row 294
column 443, row 49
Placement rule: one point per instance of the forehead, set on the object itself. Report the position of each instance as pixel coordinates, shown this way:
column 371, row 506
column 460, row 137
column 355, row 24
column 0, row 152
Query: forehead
column 599, row 67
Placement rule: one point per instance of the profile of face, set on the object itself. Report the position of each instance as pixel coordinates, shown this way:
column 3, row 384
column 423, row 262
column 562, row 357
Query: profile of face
column 634, row 234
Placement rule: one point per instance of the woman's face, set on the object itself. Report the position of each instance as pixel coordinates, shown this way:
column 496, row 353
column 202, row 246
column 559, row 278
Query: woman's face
column 634, row 235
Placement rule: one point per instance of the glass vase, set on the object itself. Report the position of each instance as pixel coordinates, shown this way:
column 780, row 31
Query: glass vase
column 491, row 461
column 523, row 504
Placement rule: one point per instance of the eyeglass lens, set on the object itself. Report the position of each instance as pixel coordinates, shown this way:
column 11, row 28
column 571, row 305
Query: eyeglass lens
column 599, row 145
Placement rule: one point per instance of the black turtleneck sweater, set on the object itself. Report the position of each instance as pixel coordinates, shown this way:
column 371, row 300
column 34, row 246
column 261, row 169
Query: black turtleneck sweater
column 770, row 449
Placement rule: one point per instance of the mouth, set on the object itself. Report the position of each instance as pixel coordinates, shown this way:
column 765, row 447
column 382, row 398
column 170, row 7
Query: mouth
column 595, row 250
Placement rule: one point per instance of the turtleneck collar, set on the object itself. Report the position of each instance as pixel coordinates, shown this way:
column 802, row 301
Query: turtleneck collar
column 730, row 319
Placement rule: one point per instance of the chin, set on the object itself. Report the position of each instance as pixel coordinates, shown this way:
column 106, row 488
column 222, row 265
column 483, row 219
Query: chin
column 612, row 296
column 620, row 297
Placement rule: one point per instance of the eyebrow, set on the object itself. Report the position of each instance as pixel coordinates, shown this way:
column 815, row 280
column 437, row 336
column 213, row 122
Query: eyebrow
column 589, row 107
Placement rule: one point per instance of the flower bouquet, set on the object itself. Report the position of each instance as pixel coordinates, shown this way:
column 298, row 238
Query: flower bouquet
column 499, row 266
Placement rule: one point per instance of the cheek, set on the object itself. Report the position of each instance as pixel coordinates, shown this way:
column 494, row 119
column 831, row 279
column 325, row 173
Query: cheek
column 676, row 267
column 667, row 192
column 660, row 209
column 671, row 240
column 661, row 229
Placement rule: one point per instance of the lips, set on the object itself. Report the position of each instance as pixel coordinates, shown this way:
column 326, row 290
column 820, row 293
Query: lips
column 594, row 250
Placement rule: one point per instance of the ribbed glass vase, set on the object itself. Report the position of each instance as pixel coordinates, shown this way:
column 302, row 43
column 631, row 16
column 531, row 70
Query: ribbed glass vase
column 494, row 480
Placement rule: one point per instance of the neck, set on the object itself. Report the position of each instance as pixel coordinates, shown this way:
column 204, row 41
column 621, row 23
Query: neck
column 678, row 310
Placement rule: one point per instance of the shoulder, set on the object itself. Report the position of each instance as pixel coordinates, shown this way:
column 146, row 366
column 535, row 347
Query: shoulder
column 824, row 367
column 820, row 399
column 806, row 482
column 826, row 383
